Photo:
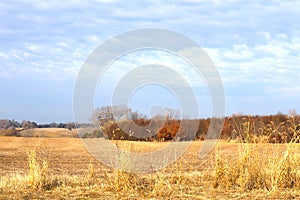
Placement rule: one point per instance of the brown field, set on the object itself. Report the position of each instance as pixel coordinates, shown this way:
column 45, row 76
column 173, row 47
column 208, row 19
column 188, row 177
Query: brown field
column 63, row 169
column 48, row 132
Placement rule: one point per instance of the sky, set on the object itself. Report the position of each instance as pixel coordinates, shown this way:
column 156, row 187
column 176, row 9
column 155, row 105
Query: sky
column 255, row 46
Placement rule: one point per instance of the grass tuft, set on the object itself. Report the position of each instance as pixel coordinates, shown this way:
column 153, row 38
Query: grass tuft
column 252, row 170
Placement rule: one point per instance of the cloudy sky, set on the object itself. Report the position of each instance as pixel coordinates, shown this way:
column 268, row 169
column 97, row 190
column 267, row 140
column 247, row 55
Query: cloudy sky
column 255, row 46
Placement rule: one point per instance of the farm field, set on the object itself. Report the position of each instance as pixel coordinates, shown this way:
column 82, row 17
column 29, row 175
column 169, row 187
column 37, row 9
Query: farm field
column 48, row 132
column 61, row 168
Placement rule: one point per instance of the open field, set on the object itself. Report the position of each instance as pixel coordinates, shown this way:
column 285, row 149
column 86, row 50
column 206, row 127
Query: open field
column 61, row 168
column 48, row 132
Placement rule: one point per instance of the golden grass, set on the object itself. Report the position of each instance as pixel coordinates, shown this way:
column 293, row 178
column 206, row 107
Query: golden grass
column 62, row 169
column 252, row 170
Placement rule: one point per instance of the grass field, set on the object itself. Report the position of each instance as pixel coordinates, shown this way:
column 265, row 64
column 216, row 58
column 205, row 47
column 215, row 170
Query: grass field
column 48, row 132
column 61, row 168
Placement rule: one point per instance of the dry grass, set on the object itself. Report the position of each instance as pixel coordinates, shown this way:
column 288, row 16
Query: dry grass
column 62, row 169
column 48, row 132
column 252, row 170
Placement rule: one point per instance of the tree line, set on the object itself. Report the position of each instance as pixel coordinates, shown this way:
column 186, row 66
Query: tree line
column 121, row 123
column 12, row 127
column 7, row 124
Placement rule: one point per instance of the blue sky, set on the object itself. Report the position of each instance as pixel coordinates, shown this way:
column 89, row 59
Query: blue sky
column 255, row 45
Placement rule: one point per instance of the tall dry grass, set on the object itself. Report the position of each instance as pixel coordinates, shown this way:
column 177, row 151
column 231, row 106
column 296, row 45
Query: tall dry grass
column 38, row 171
column 251, row 169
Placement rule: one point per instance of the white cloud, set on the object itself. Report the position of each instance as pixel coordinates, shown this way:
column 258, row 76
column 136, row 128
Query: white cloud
column 254, row 44
column 269, row 67
column 130, row 61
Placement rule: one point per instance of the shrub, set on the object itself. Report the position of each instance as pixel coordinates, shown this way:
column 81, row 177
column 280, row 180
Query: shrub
column 8, row 132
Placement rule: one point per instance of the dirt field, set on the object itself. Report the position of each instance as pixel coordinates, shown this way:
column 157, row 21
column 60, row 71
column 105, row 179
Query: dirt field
column 185, row 179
